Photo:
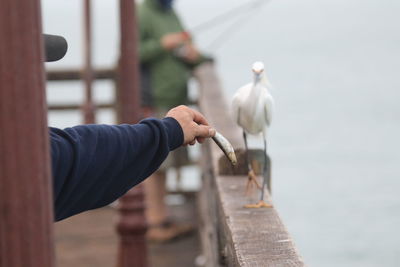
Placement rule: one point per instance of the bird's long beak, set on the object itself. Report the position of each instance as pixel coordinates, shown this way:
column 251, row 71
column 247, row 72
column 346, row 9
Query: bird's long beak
column 258, row 71
column 258, row 67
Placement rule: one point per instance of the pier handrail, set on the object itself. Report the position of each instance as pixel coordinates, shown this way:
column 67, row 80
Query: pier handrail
column 232, row 235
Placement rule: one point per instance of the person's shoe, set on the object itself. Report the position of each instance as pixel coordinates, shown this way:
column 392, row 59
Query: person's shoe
column 168, row 231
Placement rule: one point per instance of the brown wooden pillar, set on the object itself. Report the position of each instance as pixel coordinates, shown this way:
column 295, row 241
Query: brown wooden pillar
column 131, row 227
column 26, row 217
column 128, row 94
column 132, row 222
column 88, row 107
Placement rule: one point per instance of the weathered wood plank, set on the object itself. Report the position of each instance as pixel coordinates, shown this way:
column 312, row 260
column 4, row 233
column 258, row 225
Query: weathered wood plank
column 258, row 236
column 231, row 234
column 73, row 106
column 77, row 74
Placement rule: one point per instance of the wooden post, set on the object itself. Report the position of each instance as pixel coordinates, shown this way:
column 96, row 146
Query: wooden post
column 132, row 222
column 131, row 227
column 128, row 94
column 88, row 107
column 26, row 217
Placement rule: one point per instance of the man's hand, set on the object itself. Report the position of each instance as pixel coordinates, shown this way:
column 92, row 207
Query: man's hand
column 171, row 41
column 194, row 125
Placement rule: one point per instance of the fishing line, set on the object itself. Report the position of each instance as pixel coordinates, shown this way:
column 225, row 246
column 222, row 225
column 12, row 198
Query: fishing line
column 227, row 33
column 233, row 28
column 230, row 14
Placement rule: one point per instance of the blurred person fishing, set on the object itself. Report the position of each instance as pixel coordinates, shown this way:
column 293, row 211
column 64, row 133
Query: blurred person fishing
column 167, row 55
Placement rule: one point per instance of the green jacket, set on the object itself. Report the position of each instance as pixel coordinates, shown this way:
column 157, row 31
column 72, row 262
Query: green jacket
column 167, row 75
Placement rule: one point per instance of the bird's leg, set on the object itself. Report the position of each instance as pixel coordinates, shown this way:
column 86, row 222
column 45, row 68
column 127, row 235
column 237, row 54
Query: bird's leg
column 252, row 181
column 261, row 203
column 266, row 172
column 252, row 178
column 248, row 187
column 255, row 180
column 266, row 177
column 250, row 174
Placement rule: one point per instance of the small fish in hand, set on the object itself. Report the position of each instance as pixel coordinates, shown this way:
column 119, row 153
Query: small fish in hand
column 226, row 147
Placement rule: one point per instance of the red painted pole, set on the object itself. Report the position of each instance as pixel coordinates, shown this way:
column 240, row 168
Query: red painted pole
column 128, row 96
column 88, row 107
column 26, row 217
column 131, row 226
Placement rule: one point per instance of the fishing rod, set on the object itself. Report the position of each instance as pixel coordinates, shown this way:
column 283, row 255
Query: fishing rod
column 230, row 14
column 241, row 19
column 225, row 35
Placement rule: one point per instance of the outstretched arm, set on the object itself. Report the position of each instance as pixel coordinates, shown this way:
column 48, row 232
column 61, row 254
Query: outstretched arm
column 94, row 165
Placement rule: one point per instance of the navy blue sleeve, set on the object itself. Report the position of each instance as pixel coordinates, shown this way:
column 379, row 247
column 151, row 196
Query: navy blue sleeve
column 93, row 165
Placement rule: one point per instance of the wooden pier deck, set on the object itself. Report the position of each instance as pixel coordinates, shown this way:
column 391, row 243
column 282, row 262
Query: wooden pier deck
column 89, row 239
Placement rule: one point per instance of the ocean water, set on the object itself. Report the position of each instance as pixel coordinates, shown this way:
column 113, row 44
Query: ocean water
column 334, row 141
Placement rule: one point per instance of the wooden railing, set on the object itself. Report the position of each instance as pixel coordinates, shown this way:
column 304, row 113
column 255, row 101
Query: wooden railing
column 63, row 75
column 232, row 235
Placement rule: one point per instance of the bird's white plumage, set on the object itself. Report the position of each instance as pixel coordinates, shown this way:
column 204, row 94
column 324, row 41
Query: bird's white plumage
column 253, row 104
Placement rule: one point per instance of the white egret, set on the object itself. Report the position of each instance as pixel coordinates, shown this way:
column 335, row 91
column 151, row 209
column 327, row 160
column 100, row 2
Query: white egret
column 252, row 110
